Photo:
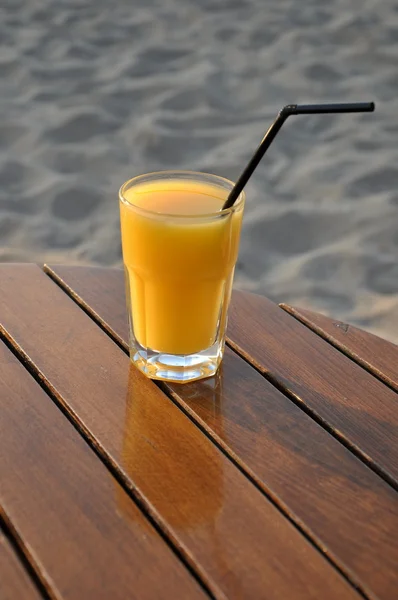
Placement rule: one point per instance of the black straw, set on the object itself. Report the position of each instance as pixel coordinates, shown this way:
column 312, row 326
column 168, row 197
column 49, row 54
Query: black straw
column 290, row 109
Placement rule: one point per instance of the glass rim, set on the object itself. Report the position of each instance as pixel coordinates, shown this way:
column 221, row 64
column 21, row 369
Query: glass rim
column 172, row 173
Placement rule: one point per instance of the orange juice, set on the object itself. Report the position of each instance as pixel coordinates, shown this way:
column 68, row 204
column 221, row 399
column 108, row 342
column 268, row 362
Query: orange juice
column 179, row 251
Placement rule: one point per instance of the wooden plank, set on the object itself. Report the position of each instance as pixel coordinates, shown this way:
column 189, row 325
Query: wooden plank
column 65, row 506
column 378, row 356
column 15, row 583
column 108, row 285
column 358, row 408
column 345, row 507
column 223, row 524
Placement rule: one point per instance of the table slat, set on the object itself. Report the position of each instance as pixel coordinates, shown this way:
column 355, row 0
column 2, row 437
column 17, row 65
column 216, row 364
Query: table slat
column 221, row 522
column 66, row 507
column 342, row 504
column 378, row 356
column 15, row 583
column 357, row 407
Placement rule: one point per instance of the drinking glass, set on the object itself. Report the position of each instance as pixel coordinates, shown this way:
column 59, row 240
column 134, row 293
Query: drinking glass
column 179, row 272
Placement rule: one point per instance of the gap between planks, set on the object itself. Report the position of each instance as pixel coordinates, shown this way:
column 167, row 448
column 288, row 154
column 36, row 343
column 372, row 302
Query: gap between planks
column 27, row 561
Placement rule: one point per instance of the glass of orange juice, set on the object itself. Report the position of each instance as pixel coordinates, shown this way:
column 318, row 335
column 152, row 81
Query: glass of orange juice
column 179, row 254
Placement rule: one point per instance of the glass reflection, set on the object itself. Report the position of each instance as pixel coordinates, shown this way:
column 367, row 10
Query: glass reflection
column 173, row 464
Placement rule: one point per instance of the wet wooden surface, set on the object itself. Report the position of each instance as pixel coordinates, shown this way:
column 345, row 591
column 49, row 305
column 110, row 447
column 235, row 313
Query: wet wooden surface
column 244, row 493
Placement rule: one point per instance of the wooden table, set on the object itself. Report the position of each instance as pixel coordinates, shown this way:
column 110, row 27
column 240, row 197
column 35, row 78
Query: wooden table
column 277, row 479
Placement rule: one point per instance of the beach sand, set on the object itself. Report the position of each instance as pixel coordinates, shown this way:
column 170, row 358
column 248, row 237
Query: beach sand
column 94, row 92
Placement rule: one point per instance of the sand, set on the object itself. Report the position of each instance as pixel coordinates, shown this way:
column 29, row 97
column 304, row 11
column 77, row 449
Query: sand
column 94, row 92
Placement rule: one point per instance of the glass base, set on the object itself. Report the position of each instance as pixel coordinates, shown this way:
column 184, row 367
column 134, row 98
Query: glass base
column 177, row 368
